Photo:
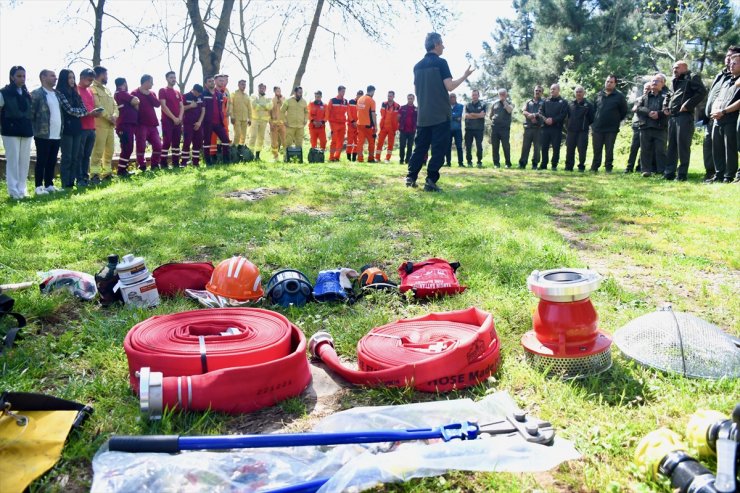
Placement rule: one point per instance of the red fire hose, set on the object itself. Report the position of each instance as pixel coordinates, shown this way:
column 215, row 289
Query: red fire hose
column 435, row 353
column 232, row 360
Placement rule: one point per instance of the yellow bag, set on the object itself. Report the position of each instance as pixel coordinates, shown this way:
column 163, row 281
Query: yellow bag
column 33, row 429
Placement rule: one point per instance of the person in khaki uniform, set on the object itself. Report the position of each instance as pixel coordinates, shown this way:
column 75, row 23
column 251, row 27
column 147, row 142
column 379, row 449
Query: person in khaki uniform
column 261, row 106
column 277, row 123
column 241, row 115
column 295, row 113
column 105, row 125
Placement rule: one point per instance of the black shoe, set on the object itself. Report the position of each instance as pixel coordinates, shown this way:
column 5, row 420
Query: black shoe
column 508, row 165
column 541, row 168
column 95, row 180
column 534, row 166
column 727, row 180
column 522, row 167
column 608, row 170
column 647, row 174
column 669, row 177
column 123, row 173
column 429, row 186
column 568, row 169
column 682, row 178
column 581, row 169
column 480, row 165
column 498, row 165
column 461, row 165
column 470, row 164
column 410, row 183
column 628, row 170
column 554, row 168
column 594, row 170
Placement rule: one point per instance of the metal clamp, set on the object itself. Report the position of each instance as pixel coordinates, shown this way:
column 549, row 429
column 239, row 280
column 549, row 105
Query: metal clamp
column 563, row 285
column 20, row 419
column 150, row 392
column 317, row 340
column 532, row 429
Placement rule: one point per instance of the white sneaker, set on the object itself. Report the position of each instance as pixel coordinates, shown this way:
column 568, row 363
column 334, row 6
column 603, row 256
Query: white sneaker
column 52, row 189
column 41, row 191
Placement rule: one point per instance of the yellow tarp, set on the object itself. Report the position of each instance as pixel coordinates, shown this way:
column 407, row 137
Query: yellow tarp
column 26, row 452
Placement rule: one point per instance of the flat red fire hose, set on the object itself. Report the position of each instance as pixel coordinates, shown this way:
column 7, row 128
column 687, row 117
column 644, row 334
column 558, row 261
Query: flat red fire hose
column 232, row 360
column 434, row 353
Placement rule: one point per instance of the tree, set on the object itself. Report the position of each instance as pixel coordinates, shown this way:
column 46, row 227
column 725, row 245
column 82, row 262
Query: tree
column 179, row 44
column 210, row 56
column 370, row 17
column 96, row 40
column 699, row 30
column 252, row 26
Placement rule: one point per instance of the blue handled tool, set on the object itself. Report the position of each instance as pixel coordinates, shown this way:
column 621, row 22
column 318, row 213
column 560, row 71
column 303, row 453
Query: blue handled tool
column 171, row 444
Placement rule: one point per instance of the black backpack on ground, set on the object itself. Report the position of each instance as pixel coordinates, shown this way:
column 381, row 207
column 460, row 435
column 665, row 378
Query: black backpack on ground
column 6, row 305
column 315, row 156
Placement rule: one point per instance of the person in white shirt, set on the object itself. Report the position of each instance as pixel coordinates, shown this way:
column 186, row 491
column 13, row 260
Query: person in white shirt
column 46, row 116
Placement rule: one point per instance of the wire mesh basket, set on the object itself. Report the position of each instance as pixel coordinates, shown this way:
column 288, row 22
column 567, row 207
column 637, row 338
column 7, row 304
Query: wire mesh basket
column 680, row 343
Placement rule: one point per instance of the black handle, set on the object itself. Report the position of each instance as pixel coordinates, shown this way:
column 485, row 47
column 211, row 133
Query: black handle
column 167, row 444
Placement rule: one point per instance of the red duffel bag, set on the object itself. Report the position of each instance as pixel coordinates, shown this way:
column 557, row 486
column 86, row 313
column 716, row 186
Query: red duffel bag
column 432, row 277
column 178, row 276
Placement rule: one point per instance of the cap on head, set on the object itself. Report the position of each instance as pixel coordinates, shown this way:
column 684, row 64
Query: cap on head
column 87, row 73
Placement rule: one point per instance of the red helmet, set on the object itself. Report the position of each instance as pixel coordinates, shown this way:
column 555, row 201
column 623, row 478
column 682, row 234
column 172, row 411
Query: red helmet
column 236, row 278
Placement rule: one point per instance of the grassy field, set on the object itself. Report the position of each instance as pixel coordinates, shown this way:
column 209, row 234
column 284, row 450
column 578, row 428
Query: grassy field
column 655, row 242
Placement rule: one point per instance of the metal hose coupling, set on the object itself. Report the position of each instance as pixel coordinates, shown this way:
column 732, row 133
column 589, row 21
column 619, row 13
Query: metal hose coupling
column 317, row 340
column 150, row 393
column 563, row 284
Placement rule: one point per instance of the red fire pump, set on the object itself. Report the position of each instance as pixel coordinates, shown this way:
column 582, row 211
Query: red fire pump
column 565, row 339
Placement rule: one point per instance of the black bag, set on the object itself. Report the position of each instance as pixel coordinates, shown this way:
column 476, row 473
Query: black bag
column 247, row 155
column 315, row 156
column 6, row 304
column 293, row 154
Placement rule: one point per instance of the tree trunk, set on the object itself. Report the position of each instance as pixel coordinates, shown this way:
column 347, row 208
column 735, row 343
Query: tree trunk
column 210, row 58
column 98, row 31
column 309, row 44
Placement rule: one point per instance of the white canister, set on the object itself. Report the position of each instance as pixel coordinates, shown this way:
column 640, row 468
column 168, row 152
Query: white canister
column 131, row 270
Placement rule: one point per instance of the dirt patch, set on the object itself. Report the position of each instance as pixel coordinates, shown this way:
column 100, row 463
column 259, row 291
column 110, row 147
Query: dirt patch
column 59, row 321
column 255, row 193
column 574, row 225
column 570, row 221
column 305, row 209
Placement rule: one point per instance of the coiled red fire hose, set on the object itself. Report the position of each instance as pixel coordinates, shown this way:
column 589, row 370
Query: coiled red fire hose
column 232, row 360
column 434, row 353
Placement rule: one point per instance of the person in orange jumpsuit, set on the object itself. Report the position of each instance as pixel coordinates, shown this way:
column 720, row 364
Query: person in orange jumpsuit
column 352, row 127
column 223, row 95
column 317, row 122
column 367, row 127
column 388, row 126
column 336, row 114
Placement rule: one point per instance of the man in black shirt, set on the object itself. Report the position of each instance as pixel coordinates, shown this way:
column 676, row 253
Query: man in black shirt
column 610, row 108
column 653, row 127
column 532, row 126
column 501, row 127
column 711, row 174
column 725, row 115
column 580, row 117
column 475, row 114
column 433, row 81
column 553, row 113
column 688, row 91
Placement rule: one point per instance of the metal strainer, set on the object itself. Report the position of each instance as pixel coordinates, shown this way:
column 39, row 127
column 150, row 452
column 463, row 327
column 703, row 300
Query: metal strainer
column 680, row 343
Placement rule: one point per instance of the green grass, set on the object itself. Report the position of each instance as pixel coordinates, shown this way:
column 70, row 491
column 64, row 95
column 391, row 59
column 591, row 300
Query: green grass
column 656, row 241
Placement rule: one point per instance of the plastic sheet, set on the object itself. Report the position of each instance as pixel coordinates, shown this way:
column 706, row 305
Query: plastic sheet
column 350, row 467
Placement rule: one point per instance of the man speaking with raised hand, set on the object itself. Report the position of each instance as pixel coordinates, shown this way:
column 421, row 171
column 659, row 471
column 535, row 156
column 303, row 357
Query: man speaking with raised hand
column 433, row 82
